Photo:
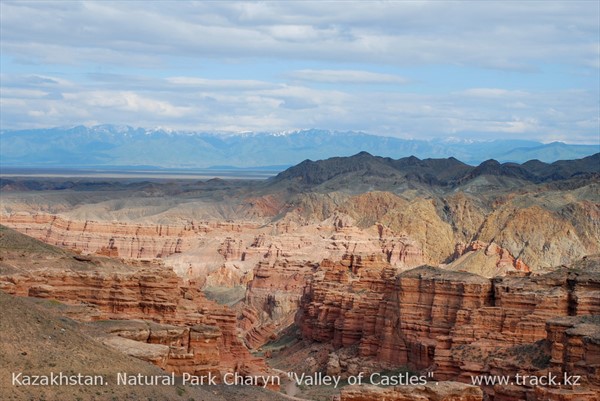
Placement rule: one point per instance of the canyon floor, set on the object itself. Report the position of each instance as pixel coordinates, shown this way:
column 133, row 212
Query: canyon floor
column 346, row 267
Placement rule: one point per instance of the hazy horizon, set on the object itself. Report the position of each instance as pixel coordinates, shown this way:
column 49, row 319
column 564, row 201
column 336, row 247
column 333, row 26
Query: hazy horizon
column 449, row 139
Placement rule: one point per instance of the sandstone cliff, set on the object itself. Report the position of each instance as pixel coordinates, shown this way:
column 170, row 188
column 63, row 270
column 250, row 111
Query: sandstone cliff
column 456, row 323
column 163, row 320
column 272, row 299
column 197, row 335
column 220, row 253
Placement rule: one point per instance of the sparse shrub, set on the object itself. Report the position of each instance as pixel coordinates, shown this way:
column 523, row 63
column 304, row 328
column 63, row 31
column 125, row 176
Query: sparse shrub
column 542, row 361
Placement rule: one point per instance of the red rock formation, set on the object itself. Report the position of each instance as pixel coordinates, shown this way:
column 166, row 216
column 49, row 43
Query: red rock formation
column 444, row 391
column 108, row 238
column 575, row 346
column 232, row 249
column 198, row 335
column 272, row 299
column 457, row 324
column 196, row 250
column 573, row 363
column 274, row 294
column 273, row 259
column 486, row 259
column 354, row 285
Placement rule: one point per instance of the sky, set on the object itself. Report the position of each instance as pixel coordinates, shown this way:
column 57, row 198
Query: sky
column 408, row 69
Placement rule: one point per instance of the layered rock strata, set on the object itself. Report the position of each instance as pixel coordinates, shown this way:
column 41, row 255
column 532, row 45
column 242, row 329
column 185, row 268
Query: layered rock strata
column 541, row 225
column 575, row 346
column 458, row 324
column 272, row 299
column 273, row 261
column 444, row 391
column 485, row 259
column 220, row 253
column 174, row 326
column 116, row 239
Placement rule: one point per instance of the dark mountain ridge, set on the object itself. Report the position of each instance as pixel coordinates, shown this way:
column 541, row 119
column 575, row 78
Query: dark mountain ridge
column 362, row 172
column 434, row 172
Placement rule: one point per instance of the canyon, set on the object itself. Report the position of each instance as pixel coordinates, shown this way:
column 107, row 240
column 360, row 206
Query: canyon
column 143, row 310
column 458, row 271
column 459, row 324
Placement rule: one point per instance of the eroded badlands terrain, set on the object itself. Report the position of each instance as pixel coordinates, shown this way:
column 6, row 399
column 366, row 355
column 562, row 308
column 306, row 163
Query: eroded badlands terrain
column 342, row 266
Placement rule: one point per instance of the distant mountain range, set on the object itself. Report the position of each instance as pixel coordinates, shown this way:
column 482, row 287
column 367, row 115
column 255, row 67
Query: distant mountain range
column 359, row 173
column 123, row 146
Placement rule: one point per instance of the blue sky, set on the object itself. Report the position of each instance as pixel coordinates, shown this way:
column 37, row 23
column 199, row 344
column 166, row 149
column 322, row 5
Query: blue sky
column 410, row 69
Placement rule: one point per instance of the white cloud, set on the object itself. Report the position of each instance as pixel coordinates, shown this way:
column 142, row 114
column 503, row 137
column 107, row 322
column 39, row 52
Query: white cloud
column 129, row 102
column 281, row 65
column 221, row 84
column 494, row 34
column 21, row 93
column 492, row 93
column 216, row 105
column 346, row 77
